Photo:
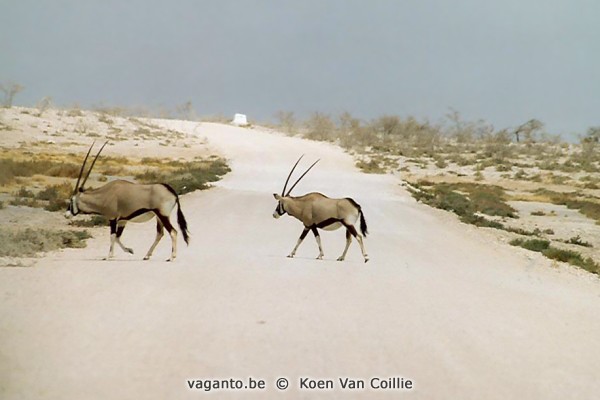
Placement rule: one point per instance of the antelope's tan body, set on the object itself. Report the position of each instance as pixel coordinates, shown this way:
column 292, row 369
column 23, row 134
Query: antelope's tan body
column 317, row 211
column 120, row 202
column 316, row 208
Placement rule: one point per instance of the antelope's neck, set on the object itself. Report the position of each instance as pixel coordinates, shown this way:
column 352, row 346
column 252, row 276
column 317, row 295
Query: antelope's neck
column 293, row 207
column 88, row 203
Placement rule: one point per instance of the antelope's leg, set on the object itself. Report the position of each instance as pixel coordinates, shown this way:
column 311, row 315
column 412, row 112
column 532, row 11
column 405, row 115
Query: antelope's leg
column 172, row 232
column 300, row 239
column 348, row 241
column 160, row 232
column 120, row 229
column 318, row 238
column 113, row 238
column 358, row 237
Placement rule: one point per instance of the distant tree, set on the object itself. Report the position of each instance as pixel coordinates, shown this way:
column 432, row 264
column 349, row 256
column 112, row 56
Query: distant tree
column 466, row 132
column 349, row 129
column 592, row 135
column 10, row 90
column 43, row 105
column 319, row 126
column 286, row 120
column 528, row 130
column 186, row 111
column 589, row 153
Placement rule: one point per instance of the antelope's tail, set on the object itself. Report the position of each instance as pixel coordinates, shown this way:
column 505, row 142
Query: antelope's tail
column 363, row 223
column 182, row 223
column 180, row 217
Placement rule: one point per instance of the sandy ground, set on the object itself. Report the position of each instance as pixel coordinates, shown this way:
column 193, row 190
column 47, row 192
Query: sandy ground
column 441, row 303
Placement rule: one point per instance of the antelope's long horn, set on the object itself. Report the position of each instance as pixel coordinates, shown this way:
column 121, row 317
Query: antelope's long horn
column 92, row 166
column 302, row 176
column 83, row 167
column 290, row 175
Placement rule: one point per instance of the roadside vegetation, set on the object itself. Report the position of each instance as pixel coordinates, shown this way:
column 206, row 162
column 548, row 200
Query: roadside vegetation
column 30, row 241
column 482, row 174
column 37, row 172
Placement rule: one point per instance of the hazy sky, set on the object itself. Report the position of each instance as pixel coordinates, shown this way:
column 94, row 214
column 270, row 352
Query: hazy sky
column 504, row 61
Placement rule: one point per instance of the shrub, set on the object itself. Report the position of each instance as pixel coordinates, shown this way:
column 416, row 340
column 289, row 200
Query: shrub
column 12, row 168
column 572, row 258
column 576, row 240
column 370, row 167
column 29, row 241
column 538, row 245
column 95, row 220
column 56, row 196
column 568, row 256
column 190, row 177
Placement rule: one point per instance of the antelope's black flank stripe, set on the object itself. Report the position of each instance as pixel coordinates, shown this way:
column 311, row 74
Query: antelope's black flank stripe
column 327, row 222
column 139, row 212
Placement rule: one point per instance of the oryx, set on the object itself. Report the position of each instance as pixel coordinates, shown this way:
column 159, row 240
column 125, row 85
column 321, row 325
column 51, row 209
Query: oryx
column 317, row 211
column 121, row 201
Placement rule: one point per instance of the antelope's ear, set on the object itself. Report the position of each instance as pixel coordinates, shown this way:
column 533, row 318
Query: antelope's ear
column 277, row 197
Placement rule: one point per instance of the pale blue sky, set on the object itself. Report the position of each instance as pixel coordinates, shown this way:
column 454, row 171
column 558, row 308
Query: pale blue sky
column 504, row 61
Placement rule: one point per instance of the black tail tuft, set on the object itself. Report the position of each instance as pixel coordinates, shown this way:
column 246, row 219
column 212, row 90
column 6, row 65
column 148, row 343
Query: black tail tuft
column 363, row 223
column 180, row 218
column 182, row 223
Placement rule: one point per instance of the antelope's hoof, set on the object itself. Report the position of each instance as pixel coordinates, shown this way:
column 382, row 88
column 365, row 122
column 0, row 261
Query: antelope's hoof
column 319, row 257
column 290, row 256
column 146, row 258
column 340, row 259
column 366, row 260
column 169, row 259
column 130, row 251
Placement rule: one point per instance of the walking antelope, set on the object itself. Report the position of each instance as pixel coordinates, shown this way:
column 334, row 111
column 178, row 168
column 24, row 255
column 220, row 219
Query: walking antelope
column 121, row 201
column 317, row 211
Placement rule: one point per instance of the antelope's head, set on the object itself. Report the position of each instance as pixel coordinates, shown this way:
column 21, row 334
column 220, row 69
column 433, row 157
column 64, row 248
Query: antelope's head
column 73, row 207
column 280, row 209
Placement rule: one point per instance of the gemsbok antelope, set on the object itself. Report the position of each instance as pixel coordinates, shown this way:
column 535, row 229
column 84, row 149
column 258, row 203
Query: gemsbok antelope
column 317, row 211
column 120, row 202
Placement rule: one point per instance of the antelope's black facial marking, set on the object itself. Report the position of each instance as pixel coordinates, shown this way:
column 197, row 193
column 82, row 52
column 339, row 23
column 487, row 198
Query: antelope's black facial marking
column 72, row 208
column 279, row 210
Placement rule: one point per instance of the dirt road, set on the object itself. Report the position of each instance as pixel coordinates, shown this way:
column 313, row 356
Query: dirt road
column 440, row 303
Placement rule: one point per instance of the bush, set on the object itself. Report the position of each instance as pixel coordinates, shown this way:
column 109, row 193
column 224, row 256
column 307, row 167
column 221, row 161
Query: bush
column 56, row 196
column 95, row 220
column 572, row 258
column 29, row 241
column 538, row 245
column 576, row 240
column 192, row 176
column 11, row 168
column 568, row 256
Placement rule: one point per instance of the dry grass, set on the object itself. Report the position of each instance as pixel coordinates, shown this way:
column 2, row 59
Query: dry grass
column 29, row 242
